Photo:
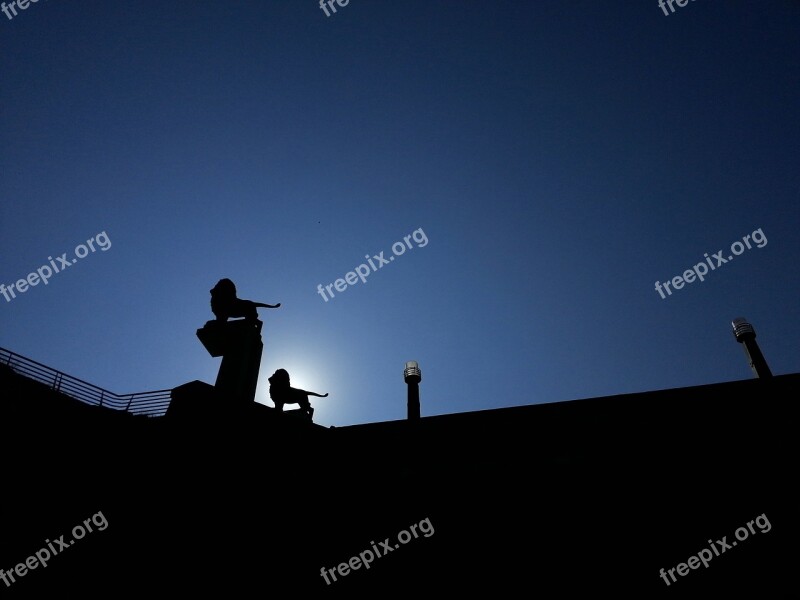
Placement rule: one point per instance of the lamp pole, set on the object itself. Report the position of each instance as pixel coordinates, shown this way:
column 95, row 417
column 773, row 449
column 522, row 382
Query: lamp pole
column 746, row 335
column 412, row 376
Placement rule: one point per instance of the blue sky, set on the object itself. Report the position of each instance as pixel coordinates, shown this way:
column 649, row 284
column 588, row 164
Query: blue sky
column 559, row 157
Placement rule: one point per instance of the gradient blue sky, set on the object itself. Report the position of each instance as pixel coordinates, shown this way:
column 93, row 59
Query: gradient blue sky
column 560, row 157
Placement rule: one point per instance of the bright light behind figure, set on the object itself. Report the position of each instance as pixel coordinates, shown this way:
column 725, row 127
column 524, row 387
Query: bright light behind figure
column 308, row 373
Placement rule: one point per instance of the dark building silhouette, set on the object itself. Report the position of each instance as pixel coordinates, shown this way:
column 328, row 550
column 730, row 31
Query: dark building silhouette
column 557, row 499
column 223, row 495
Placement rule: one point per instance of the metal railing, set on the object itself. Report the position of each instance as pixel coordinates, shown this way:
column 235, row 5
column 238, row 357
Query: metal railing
column 151, row 404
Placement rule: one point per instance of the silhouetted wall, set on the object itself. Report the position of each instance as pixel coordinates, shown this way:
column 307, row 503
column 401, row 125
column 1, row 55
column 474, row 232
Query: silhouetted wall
column 567, row 496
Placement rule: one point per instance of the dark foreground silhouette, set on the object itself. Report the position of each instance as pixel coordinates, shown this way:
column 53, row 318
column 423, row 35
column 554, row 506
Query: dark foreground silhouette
column 559, row 499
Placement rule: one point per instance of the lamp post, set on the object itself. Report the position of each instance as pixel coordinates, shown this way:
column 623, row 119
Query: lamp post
column 746, row 335
column 412, row 376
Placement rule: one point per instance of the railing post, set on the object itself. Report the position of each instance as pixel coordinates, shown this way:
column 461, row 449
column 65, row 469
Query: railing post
column 102, row 393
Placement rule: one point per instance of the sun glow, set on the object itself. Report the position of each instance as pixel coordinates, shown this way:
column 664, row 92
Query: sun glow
column 309, row 373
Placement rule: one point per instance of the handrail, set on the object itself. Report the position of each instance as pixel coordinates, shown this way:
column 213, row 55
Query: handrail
column 151, row 404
